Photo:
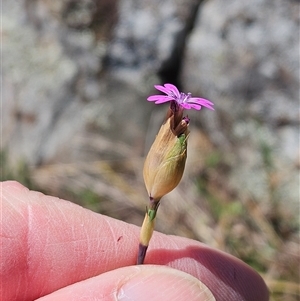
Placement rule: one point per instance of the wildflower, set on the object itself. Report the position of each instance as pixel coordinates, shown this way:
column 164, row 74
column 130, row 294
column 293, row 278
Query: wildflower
column 183, row 100
column 165, row 162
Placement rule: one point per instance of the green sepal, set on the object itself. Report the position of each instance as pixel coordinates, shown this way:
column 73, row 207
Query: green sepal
column 152, row 214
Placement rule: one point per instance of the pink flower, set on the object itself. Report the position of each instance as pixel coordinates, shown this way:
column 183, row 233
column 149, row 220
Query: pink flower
column 186, row 101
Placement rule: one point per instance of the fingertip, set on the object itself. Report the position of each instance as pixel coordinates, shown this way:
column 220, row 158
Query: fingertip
column 224, row 274
column 164, row 283
column 144, row 282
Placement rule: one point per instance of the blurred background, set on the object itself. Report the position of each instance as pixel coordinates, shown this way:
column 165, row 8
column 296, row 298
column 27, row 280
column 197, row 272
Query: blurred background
column 75, row 122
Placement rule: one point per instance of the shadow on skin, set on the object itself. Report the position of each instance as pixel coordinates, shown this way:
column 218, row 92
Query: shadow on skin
column 235, row 280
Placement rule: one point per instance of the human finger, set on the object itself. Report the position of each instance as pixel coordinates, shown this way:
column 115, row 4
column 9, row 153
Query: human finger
column 143, row 282
column 48, row 243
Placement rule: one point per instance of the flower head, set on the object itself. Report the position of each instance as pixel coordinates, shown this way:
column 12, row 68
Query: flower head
column 185, row 101
column 165, row 162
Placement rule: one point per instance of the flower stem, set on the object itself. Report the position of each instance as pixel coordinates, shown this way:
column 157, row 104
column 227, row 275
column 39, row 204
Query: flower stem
column 147, row 230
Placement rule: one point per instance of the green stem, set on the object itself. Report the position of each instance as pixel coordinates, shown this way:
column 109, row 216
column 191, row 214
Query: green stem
column 147, row 230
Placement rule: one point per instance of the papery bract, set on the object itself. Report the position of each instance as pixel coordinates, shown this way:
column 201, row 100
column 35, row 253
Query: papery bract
column 165, row 162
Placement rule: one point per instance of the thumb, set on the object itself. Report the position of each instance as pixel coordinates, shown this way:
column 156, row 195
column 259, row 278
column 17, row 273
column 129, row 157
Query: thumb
column 143, row 282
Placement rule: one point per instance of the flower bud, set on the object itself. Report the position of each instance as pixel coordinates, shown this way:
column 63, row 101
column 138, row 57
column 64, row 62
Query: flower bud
column 165, row 162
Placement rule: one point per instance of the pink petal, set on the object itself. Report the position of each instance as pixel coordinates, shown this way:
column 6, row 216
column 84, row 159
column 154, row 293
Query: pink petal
column 153, row 97
column 207, row 106
column 195, row 106
column 159, row 98
column 186, row 106
column 202, row 102
column 161, row 88
column 162, row 100
column 198, row 100
column 173, row 89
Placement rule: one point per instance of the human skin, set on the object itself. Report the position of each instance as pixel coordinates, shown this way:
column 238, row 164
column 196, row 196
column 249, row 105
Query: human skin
column 57, row 250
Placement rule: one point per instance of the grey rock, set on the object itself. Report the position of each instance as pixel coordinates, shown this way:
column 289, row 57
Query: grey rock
column 244, row 56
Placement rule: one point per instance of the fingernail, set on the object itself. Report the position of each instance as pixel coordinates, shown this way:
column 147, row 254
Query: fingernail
column 163, row 283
